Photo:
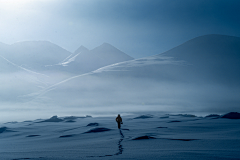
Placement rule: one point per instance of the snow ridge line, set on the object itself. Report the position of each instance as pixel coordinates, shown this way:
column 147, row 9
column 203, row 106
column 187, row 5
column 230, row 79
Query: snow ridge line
column 22, row 67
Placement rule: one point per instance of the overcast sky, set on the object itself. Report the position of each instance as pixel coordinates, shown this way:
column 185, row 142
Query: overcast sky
column 139, row 28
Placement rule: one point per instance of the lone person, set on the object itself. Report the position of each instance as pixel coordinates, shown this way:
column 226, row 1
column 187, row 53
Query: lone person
column 119, row 121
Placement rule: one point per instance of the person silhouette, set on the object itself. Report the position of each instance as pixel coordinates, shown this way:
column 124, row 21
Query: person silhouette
column 119, row 121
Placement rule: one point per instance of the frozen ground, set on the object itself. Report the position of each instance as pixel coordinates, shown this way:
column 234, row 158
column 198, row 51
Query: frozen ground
column 145, row 136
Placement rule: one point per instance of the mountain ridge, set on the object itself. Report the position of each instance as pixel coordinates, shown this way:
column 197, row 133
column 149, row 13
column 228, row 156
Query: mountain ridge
column 84, row 60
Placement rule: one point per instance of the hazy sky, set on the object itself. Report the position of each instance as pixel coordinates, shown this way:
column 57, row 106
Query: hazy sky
column 137, row 27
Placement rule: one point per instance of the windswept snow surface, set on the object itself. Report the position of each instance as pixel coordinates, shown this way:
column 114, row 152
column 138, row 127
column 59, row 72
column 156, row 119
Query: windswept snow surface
column 177, row 136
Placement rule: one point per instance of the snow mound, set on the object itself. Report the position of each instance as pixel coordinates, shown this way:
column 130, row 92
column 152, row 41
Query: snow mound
column 174, row 121
column 66, row 136
column 93, row 124
column 232, row 115
column 143, row 117
column 162, row 127
column 32, row 135
column 183, row 115
column 98, row 130
column 71, row 118
column 5, row 129
column 70, row 121
column 52, row 119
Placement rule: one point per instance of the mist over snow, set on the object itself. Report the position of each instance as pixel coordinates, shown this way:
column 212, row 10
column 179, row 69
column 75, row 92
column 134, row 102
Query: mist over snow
column 31, row 66
column 199, row 76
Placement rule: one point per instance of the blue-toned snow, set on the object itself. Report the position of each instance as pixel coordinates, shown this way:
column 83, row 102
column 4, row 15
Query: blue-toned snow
column 173, row 137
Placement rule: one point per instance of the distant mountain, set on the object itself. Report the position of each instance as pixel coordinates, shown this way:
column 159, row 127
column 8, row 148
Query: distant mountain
column 34, row 55
column 84, row 60
column 81, row 49
column 199, row 75
column 213, row 57
column 48, row 58
column 210, row 58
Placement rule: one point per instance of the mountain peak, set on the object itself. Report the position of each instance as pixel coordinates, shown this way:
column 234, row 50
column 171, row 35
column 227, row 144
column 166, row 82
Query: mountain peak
column 206, row 46
column 106, row 45
column 81, row 49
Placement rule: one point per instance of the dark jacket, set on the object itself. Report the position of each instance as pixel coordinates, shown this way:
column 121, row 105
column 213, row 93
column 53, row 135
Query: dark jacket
column 118, row 119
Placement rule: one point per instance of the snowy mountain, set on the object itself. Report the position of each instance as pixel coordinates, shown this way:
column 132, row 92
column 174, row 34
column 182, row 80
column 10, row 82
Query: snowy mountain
column 213, row 57
column 84, row 60
column 200, row 75
column 34, row 55
column 48, row 58
column 81, row 49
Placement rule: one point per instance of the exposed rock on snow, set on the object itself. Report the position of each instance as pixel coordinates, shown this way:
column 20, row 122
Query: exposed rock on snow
column 32, row 135
column 70, row 121
column 162, row 127
column 174, row 121
column 66, row 136
column 5, row 129
column 144, row 137
column 143, row 117
column 71, row 118
column 67, row 119
column 52, row 119
column 93, row 124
